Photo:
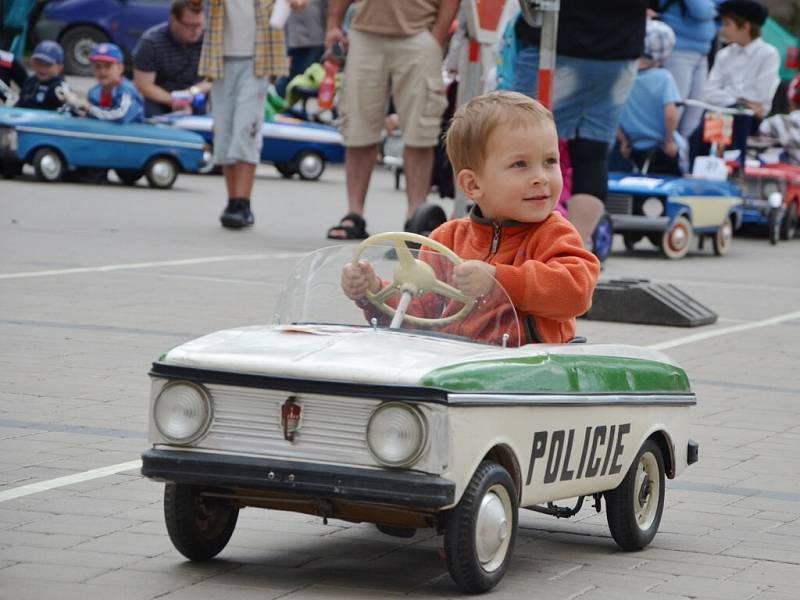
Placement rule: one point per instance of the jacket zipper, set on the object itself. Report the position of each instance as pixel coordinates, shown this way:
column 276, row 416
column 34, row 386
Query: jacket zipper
column 496, row 237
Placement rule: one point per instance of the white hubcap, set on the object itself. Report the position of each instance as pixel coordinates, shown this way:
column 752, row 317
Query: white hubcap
column 493, row 528
column 646, row 491
column 162, row 172
column 310, row 166
column 51, row 166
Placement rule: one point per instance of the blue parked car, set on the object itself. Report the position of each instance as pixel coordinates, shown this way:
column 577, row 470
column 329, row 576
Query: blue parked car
column 57, row 144
column 80, row 24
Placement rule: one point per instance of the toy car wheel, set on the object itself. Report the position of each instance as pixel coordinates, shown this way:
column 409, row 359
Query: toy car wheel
column 199, row 526
column 634, row 507
column 310, row 165
column 286, row 169
column 630, row 240
column 426, row 218
column 10, row 169
column 480, row 530
column 603, row 238
column 774, row 225
column 161, row 172
column 207, row 166
column 78, row 43
column 723, row 238
column 48, row 165
column 789, row 228
column 677, row 239
column 128, row 176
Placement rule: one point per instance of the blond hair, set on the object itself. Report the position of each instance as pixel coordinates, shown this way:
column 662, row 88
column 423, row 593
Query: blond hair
column 474, row 122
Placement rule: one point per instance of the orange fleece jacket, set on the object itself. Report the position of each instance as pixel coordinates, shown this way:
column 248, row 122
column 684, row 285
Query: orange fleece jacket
column 548, row 274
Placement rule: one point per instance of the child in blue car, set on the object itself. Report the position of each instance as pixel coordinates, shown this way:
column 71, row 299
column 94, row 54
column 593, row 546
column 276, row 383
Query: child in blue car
column 114, row 98
column 44, row 89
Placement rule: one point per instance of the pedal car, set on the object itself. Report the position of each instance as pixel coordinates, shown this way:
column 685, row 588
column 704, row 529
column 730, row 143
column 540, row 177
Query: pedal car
column 57, row 144
column 448, row 422
column 672, row 211
column 292, row 145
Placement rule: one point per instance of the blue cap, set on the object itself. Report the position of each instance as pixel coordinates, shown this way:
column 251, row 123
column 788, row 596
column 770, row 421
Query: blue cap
column 107, row 53
column 49, row 51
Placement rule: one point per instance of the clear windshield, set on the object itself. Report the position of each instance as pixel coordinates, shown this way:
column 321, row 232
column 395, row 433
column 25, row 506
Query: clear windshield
column 313, row 295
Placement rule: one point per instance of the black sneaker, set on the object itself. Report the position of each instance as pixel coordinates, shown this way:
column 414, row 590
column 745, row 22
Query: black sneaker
column 237, row 215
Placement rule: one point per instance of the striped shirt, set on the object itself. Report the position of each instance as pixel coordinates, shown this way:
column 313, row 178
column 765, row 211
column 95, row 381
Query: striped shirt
column 269, row 52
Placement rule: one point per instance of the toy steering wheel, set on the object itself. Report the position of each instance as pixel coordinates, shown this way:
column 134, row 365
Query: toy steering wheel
column 414, row 277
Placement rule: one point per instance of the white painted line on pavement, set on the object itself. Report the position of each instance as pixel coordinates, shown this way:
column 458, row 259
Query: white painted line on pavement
column 43, row 486
column 150, row 265
column 699, row 337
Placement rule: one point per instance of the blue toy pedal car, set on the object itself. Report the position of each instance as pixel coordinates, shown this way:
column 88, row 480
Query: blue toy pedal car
column 672, row 211
column 57, row 143
column 292, row 145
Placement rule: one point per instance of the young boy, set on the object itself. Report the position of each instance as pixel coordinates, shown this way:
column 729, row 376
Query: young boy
column 786, row 128
column 504, row 150
column 114, row 98
column 647, row 129
column 745, row 72
column 40, row 89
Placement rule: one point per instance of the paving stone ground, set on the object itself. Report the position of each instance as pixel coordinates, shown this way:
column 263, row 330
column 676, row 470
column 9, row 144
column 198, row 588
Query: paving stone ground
column 75, row 348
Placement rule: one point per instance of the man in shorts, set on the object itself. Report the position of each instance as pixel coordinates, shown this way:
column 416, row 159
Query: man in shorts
column 240, row 51
column 397, row 48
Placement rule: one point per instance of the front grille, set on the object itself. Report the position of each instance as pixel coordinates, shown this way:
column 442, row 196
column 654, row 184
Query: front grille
column 619, row 204
column 248, row 421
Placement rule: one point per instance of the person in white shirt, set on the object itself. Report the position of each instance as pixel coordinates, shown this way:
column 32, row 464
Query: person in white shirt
column 745, row 72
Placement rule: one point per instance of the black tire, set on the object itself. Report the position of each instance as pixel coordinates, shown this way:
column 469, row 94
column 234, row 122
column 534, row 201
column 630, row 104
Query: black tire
column 286, row 169
column 789, row 227
column 10, row 168
column 472, row 572
column 603, row 238
column 426, row 218
column 774, row 225
column 723, row 238
column 161, row 172
column 199, row 527
column 48, row 165
column 634, row 508
column 128, row 176
column 400, row 532
column 310, row 165
column 77, row 43
column 631, row 239
column 655, row 239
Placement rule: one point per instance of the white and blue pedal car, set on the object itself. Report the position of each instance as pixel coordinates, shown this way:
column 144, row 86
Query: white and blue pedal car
column 58, row 144
column 331, row 412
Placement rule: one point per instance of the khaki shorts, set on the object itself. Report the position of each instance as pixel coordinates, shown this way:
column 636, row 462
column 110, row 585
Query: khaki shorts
column 412, row 68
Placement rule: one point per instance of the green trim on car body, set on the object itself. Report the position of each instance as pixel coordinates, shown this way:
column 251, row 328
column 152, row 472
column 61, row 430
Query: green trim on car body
column 560, row 373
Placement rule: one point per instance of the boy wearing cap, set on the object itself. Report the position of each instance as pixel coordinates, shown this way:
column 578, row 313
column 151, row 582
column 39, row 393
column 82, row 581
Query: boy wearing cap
column 114, row 98
column 647, row 128
column 40, row 89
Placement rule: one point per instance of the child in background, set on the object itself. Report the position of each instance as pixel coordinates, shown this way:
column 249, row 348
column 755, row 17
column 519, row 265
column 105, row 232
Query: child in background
column 786, row 128
column 114, row 98
column 647, row 128
column 504, row 150
column 40, row 90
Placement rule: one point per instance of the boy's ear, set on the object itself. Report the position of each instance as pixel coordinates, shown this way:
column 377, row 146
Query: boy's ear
column 467, row 180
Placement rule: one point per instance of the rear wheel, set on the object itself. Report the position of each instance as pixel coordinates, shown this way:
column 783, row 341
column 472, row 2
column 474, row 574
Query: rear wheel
column 10, row 168
column 199, row 526
column 310, row 165
column 480, row 530
column 286, row 169
column 603, row 238
column 677, row 239
column 630, row 240
column 128, row 176
column 161, row 172
column 723, row 238
column 48, row 165
column 634, row 507
column 774, row 225
column 426, row 218
column 789, row 228
column 78, row 43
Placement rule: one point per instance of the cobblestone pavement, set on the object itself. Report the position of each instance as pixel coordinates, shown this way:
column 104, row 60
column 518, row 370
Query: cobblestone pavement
column 97, row 281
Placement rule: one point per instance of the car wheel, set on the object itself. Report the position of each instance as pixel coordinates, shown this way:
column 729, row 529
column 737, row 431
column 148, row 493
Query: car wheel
column 48, row 165
column 161, row 172
column 789, row 229
column 286, row 169
column 631, row 239
column 677, row 239
column 426, row 218
column 199, row 526
column 207, row 166
column 10, row 168
column 128, row 176
column 480, row 530
column 310, row 165
column 603, row 238
column 78, row 43
column 723, row 238
column 634, row 507
column 774, row 225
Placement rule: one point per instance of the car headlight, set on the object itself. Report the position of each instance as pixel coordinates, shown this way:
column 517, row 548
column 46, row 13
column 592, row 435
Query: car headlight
column 182, row 412
column 653, row 207
column 396, row 434
column 8, row 139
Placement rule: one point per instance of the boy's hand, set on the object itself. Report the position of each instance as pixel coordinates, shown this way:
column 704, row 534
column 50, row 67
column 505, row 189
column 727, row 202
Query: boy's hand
column 670, row 148
column 358, row 278
column 474, row 277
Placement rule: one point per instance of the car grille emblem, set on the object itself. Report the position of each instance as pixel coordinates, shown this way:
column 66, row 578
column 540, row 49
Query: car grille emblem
column 290, row 418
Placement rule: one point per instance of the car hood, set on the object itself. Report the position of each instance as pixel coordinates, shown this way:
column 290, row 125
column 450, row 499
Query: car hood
column 361, row 355
column 665, row 185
